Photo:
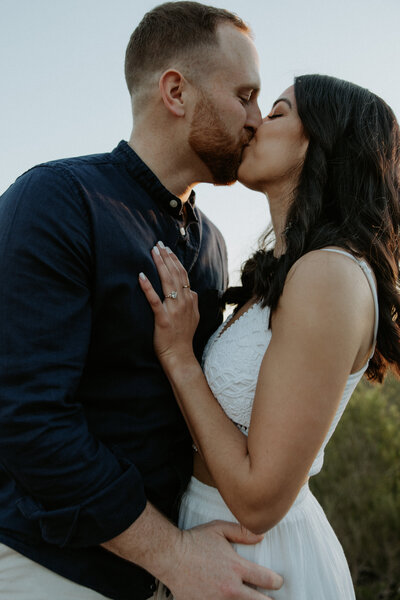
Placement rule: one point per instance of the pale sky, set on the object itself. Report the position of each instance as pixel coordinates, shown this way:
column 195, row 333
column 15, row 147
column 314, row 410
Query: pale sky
column 63, row 91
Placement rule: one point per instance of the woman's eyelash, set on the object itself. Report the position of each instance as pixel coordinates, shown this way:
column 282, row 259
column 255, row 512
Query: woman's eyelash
column 274, row 116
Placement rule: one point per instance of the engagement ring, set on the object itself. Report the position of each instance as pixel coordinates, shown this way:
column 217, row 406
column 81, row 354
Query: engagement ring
column 173, row 295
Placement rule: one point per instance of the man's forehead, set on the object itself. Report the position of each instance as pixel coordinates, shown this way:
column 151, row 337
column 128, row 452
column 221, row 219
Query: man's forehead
column 231, row 38
column 240, row 75
column 237, row 57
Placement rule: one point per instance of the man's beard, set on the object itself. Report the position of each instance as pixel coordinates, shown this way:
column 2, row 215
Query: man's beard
column 213, row 143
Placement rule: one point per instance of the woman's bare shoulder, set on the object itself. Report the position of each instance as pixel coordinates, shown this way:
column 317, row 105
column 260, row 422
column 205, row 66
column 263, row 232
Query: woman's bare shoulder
column 322, row 283
column 327, row 271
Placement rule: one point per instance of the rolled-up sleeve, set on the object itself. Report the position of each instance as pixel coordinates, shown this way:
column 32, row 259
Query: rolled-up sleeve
column 76, row 488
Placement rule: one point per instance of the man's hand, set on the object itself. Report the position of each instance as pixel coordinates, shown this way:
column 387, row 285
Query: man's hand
column 197, row 564
column 209, row 568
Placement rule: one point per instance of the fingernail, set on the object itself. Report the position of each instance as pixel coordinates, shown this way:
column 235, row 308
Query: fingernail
column 277, row 583
column 169, row 250
column 161, row 244
column 156, row 250
column 142, row 276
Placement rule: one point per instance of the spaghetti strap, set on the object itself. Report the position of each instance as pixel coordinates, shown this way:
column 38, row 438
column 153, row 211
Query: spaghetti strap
column 368, row 273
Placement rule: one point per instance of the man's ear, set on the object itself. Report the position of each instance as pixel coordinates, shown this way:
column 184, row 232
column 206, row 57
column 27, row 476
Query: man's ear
column 171, row 86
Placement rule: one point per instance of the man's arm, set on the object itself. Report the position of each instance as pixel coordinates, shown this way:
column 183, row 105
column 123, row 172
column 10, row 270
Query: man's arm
column 76, row 490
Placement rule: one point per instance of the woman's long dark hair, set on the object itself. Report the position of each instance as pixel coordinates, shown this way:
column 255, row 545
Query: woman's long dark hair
column 348, row 195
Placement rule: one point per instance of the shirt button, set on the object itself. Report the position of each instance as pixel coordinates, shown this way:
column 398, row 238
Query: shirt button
column 173, row 203
column 183, row 231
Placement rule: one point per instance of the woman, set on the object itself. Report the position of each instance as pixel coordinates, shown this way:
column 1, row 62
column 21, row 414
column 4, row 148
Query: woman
column 314, row 314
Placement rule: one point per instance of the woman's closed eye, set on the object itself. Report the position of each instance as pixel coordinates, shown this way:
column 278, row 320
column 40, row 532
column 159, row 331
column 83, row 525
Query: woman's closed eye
column 275, row 116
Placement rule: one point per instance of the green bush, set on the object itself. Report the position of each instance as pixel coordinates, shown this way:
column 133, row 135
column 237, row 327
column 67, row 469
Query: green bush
column 359, row 488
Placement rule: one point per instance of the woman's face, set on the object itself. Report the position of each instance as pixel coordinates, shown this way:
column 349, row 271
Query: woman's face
column 276, row 153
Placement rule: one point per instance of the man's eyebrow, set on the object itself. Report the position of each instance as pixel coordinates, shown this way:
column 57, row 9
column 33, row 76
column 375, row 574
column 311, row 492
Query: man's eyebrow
column 252, row 88
column 282, row 100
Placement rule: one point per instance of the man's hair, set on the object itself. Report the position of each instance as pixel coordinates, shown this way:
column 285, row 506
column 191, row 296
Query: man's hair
column 179, row 31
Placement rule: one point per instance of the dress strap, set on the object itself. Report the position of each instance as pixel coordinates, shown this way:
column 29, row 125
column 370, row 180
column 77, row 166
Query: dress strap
column 368, row 273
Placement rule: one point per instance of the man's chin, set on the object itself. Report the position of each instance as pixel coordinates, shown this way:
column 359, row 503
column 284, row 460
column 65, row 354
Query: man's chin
column 224, row 183
column 224, row 176
column 228, row 178
column 223, row 167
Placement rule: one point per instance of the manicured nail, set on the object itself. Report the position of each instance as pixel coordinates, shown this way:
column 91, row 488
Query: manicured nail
column 142, row 276
column 169, row 250
column 156, row 250
column 161, row 244
column 277, row 582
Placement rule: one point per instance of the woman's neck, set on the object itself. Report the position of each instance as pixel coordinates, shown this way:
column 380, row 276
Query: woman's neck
column 279, row 206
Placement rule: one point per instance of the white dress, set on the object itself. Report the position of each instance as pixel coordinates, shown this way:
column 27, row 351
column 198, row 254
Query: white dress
column 302, row 546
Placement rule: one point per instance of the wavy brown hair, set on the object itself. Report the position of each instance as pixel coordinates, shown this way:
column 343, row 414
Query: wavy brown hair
column 348, row 195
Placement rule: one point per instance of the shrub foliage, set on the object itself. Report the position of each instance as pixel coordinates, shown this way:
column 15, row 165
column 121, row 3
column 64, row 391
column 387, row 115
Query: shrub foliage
column 359, row 488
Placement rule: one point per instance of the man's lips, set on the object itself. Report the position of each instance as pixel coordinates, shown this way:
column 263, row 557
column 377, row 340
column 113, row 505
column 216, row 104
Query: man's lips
column 248, row 145
column 243, row 151
column 250, row 141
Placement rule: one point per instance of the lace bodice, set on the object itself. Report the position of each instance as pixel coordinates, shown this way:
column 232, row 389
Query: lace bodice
column 232, row 360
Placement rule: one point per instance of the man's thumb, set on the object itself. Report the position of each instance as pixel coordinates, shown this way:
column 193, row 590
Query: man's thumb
column 237, row 534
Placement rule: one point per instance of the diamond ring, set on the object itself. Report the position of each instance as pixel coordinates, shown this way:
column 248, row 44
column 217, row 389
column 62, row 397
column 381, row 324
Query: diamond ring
column 172, row 295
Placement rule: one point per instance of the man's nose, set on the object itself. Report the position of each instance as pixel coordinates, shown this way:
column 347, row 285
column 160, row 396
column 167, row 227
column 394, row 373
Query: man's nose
column 254, row 118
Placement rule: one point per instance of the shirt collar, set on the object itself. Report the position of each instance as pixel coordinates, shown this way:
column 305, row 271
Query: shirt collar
column 150, row 182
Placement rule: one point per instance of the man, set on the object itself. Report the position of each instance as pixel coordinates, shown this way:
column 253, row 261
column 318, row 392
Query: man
column 94, row 452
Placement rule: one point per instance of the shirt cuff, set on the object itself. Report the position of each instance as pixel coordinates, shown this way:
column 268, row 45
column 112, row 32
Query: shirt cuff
column 97, row 519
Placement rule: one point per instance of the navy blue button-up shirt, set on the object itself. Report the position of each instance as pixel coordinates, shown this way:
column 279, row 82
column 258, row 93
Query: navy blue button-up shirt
column 89, row 428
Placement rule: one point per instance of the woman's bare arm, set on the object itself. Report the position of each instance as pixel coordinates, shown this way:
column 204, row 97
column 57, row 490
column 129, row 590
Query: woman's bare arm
column 321, row 330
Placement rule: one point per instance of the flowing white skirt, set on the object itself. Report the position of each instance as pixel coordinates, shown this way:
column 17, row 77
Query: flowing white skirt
column 302, row 547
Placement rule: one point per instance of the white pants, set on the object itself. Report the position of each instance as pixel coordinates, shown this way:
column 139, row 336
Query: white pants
column 23, row 579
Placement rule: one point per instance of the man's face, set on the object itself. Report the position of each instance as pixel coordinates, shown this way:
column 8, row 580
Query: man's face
column 226, row 114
